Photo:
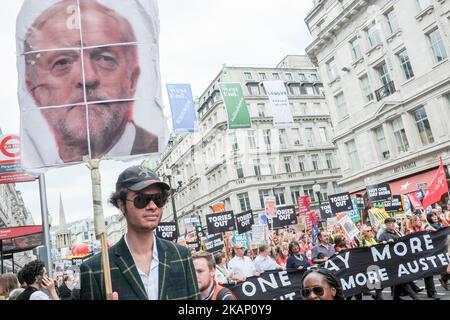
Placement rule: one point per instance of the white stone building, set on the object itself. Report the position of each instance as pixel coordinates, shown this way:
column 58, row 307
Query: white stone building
column 242, row 166
column 385, row 70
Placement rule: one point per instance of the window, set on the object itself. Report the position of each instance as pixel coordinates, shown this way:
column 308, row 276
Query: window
column 302, row 76
column 282, row 138
column 406, row 65
column 310, row 137
column 261, row 108
column 272, row 169
column 355, row 49
column 374, row 35
column 239, row 170
column 423, row 125
column 365, row 88
column 392, row 21
column 279, row 196
column 295, row 193
column 314, row 77
column 316, row 108
column 341, row 106
column 253, row 89
column 315, row 161
column 262, row 76
column 308, row 191
column 262, row 195
column 383, row 72
column 294, row 89
column 329, row 160
column 289, row 76
column 400, row 135
column 248, row 75
column 353, row 155
column 287, row 164
column 381, row 143
column 301, row 163
column 345, row 3
column 276, row 76
column 257, row 167
column 423, row 4
column 296, row 136
column 323, row 135
column 332, row 70
column 437, row 46
column 251, row 139
column 266, row 133
column 303, row 109
column 244, row 201
column 233, row 141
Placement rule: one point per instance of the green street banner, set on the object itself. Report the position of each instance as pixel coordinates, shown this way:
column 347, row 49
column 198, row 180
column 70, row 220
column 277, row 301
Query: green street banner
column 235, row 105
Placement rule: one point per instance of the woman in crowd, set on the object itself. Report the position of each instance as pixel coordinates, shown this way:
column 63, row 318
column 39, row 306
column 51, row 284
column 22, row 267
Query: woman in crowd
column 223, row 275
column 282, row 255
column 296, row 259
column 321, row 284
column 8, row 282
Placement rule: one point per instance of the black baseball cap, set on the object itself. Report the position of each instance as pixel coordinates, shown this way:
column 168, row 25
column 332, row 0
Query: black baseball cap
column 387, row 220
column 137, row 178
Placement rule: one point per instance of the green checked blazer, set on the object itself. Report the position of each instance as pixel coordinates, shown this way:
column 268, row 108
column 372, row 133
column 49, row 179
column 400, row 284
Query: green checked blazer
column 177, row 279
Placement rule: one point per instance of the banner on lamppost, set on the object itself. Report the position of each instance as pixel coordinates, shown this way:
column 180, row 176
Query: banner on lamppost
column 182, row 106
column 278, row 97
column 235, row 105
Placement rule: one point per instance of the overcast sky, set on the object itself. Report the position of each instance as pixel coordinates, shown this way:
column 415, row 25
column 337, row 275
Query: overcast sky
column 197, row 38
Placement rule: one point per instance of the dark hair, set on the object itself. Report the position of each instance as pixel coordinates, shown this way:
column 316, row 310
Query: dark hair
column 330, row 278
column 262, row 248
column 218, row 257
column 320, row 234
column 291, row 245
column 430, row 216
column 20, row 278
column 31, row 270
column 339, row 240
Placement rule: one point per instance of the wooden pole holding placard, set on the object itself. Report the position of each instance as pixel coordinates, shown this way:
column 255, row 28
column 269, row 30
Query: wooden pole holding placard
column 99, row 222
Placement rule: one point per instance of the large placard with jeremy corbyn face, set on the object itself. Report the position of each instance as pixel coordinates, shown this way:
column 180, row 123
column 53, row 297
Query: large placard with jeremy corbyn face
column 89, row 80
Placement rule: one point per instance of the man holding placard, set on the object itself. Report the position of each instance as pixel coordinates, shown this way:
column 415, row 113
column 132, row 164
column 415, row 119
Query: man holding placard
column 143, row 266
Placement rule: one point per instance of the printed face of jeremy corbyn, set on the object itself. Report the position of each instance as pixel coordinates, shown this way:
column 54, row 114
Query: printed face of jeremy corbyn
column 82, row 71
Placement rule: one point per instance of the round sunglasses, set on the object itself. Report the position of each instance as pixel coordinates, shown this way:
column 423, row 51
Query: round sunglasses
column 142, row 200
column 318, row 291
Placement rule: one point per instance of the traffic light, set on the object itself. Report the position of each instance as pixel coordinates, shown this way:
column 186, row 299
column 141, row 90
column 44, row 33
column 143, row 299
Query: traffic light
column 199, row 232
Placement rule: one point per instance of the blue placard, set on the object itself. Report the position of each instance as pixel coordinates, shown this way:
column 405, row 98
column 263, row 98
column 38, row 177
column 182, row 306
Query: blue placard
column 183, row 107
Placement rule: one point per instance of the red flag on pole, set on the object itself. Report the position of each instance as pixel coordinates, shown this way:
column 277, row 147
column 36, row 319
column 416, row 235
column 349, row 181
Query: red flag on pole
column 437, row 187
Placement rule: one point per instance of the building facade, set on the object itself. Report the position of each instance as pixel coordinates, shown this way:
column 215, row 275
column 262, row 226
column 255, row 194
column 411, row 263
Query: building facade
column 241, row 167
column 385, row 70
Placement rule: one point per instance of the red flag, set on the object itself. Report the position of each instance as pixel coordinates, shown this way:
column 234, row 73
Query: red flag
column 304, row 205
column 414, row 199
column 437, row 187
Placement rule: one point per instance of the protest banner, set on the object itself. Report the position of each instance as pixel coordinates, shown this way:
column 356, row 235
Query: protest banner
column 55, row 107
column 379, row 192
column 167, row 231
column 241, row 239
column 285, row 217
column 281, row 109
column 393, row 204
column 182, row 106
column 244, row 221
column 340, row 202
column 193, row 245
column 354, row 214
column 217, row 207
column 214, row 243
column 259, row 234
column 325, row 211
column 235, row 105
column 410, row 258
column 415, row 201
column 347, row 226
column 331, row 222
column 377, row 216
column 304, row 205
column 270, row 206
column 270, row 285
column 220, row 222
column 10, row 168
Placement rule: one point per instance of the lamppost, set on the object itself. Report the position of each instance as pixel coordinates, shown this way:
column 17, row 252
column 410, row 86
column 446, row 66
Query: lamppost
column 168, row 174
column 316, row 189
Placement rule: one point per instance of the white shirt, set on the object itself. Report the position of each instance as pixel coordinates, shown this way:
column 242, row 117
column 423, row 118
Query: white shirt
column 39, row 295
column 241, row 267
column 265, row 263
column 151, row 281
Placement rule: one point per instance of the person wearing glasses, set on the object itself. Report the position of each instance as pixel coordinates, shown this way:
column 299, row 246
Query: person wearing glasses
column 143, row 266
column 321, row 284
